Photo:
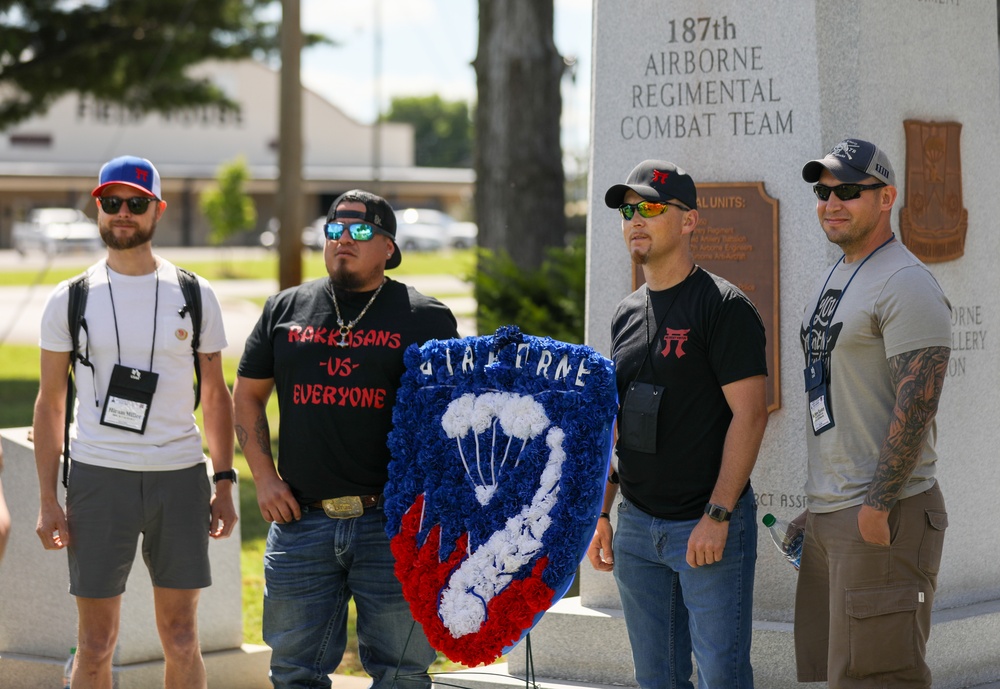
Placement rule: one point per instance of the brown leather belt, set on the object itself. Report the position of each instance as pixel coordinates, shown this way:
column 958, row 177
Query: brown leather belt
column 348, row 506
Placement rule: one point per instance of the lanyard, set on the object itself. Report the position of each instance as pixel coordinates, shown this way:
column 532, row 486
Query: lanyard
column 826, row 334
column 663, row 318
column 156, row 306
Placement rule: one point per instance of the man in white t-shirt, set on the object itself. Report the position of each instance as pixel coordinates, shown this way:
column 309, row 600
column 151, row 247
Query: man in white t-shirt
column 137, row 460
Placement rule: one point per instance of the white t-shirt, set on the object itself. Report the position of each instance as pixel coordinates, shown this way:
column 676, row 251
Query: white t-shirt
column 893, row 305
column 172, row 439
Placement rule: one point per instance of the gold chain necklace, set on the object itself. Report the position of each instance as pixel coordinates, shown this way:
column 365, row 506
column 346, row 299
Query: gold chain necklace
column 345, row 330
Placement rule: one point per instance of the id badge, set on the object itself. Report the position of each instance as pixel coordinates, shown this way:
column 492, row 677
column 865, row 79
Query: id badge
column 819, row 409
column 640, row 414
column 129, row 398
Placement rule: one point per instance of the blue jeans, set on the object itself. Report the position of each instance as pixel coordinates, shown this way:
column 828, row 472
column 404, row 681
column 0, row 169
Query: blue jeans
column 312, row 568
column 672, row 609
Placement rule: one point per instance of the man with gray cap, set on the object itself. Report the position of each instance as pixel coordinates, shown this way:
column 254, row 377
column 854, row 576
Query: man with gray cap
column 333, row 349
column 876, row 334
column 689, row 357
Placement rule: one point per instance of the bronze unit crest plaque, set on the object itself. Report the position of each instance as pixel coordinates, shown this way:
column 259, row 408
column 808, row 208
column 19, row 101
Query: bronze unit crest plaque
column 933, row 222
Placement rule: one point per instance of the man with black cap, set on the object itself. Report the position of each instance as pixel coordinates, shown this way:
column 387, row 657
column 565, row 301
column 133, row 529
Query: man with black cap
column 333, row 348
column 689, row 357
column 137, row 461
column 877, row 336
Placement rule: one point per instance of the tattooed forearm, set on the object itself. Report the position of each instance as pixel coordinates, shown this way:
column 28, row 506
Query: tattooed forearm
column 263, row 434
column 918, row 377
column 241, row 436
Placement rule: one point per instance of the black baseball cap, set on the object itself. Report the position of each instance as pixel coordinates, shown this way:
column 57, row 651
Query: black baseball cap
column 378, row 212
column 655, row 180
column 852, row 161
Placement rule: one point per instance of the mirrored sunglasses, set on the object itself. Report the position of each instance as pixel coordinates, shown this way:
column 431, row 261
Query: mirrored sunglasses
column 137, row 205
column 844, row 192
column 359, row 231
column 647, row 209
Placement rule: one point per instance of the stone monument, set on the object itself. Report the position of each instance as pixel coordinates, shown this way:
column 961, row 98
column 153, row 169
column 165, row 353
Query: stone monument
column 745, row 93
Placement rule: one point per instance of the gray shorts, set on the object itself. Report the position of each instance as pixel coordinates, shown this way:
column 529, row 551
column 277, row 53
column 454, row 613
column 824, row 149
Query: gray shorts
column 107, row 510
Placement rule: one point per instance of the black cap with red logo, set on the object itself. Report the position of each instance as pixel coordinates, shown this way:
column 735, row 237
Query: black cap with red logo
column 655, row 180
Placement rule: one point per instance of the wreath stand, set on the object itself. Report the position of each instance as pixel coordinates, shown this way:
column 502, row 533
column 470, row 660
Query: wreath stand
column 399, row 679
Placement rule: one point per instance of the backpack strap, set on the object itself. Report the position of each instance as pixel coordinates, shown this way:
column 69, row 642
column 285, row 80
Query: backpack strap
column 192, row 302
column 79, row 287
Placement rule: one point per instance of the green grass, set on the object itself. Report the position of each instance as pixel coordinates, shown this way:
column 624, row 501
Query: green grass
column 19, row 370
column 261, row 266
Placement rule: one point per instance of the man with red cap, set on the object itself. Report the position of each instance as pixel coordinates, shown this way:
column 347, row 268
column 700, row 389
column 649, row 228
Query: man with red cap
column 137, row 460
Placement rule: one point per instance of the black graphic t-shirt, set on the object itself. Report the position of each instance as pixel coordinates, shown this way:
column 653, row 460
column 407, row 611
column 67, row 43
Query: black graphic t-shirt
column 336, row 402
column 708, row 335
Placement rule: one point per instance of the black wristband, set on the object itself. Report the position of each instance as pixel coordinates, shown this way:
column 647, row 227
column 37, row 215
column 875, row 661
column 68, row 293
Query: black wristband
column 605, row 515
column 230, row 475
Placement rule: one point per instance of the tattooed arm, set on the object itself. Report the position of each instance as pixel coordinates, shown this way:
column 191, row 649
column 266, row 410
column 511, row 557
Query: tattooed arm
column 274, row 497
column 918, row 377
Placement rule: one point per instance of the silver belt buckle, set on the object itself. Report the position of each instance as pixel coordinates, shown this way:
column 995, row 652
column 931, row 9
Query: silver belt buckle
column 347, row 507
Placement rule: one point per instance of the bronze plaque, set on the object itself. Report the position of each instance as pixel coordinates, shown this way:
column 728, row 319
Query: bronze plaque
column 933, row 222
column 737, row 238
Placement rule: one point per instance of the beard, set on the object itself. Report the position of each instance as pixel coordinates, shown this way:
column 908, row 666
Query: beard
column 349, row 281
column 136, row 238
column 640, row 257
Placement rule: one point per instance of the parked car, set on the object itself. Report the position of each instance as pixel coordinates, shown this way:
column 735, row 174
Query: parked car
column 427, row 229
column 313, row 234
column 57, row 230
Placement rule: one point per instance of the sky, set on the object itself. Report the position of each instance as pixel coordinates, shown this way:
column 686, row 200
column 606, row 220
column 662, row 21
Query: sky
column 427, row 47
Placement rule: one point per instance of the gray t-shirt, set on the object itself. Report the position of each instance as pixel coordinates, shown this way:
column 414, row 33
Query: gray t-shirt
column 892, row 305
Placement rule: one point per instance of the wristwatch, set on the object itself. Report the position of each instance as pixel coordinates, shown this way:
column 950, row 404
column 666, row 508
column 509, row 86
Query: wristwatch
column 718, row 512
column 223, row 475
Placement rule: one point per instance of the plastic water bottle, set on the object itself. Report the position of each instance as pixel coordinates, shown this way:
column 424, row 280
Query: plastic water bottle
column 68, row 668
column 787, row 537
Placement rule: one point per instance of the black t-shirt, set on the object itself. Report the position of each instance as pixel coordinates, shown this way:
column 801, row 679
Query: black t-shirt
column 708, row 334
column 336, row 402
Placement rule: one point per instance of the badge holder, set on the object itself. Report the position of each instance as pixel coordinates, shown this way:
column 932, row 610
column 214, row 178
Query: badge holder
column 819, row 400
column 129, row 398
column 640, row 414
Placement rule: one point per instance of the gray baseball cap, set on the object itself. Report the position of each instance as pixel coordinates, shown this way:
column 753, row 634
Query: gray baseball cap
column 852, row 161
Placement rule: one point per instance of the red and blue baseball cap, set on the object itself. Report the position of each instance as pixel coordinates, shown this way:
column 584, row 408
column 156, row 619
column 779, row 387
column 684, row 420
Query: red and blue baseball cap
column 131, row 171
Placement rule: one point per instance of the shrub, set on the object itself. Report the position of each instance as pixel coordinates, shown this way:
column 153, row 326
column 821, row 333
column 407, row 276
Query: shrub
column 548, row 302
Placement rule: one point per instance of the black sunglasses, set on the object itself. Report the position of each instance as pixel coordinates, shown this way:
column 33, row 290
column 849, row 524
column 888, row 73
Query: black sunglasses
column 647, row 209
column 137, row 205
column 844, row 192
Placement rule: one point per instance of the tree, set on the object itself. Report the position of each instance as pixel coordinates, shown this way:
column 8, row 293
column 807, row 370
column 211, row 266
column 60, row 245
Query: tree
column 442, row 129
column 129, row 52
column 226, row 206
column 518, row 159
